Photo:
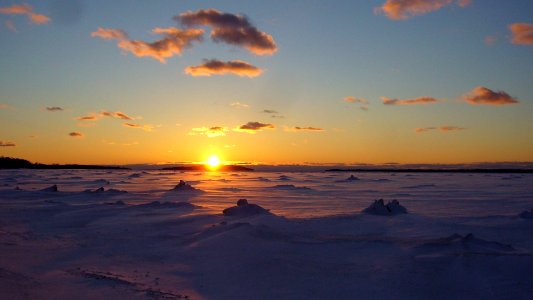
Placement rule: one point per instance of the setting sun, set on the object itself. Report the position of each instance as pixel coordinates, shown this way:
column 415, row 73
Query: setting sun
column 213, row 161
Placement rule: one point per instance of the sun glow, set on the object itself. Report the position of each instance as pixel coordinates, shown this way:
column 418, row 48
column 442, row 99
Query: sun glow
column 213, row 162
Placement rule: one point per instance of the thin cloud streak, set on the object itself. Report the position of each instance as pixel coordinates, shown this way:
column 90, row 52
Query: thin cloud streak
column 7, row 144
column 445, row 128
column 54, row 108
column 214, row 131
column 419, row 100
column 404, row 9
column 76, row 134
column 27, row 10
column 304, row 129
column 217, row 67
column 483, row 96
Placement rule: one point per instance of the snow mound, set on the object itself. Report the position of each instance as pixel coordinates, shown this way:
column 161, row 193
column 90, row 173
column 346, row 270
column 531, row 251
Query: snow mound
column 244, row 209
column 380, row 208
column 468, row 244
column 183, row 186
column 349, row 179
column 290, row 187
column 52, row 188
column 526, row 214
column 103, row 190
column 166, row 204
column 284, row 178
column 135, row 175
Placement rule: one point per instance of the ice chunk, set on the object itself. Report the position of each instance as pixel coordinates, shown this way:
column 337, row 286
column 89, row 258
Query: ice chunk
column 380, row 208
column 184, row 186
column 244, row 209
column 526, row 214
column 52, row 188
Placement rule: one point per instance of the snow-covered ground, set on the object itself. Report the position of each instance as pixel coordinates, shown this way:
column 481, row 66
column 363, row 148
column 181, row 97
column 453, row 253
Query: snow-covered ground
column 141, row 237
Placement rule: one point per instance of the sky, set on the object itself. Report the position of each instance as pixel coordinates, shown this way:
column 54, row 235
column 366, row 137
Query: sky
column 275, row 82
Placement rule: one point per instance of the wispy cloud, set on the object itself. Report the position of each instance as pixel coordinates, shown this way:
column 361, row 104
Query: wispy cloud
column 146, row 127
column 404, row 9
column 253, row 127
column 231, row 29
column 361, row 102
column 490, row 40
column 419, row 100
column 10, row 25
column 76, row 134
column 27, row 10
column 303, row 129
column 446, row 128
column 239, row 105
column 217, row 67
column 7, row 144
column 522, row 33
column 54, row 108
column 352, row 99
column 5, row 106
column 214, row 131
column 95, row 116
column 269, row 111
column 173, row 41
column 482, row 95
column 116, row 115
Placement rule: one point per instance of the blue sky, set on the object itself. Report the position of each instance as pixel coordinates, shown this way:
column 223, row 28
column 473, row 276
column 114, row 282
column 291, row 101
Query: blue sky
column 326, row 51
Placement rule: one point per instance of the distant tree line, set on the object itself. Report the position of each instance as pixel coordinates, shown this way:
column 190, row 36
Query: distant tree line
column 19, row 163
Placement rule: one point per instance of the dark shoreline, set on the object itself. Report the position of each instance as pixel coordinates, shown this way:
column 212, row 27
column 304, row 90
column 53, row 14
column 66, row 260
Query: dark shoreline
column 497, row 171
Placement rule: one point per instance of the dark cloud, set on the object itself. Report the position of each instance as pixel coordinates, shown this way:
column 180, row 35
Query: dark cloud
column 252, row 127
column 300, row 129
column 27, row 10
column 76, row 134
column 172, row 43
column 7, row 144
column 269, row 111
column 419, row 100
column 482, row 95
column 217, row 67
column 522, row 33
column 231, row 29
column 116, row 115
column 146, row 127
column 93, row 116
column 54, row 108
column 404, row 9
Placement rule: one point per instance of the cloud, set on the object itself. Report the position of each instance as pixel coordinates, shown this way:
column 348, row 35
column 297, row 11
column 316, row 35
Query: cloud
column 269, row 111
column 5, row 106
column 146, row 127
column 76, row 134
column 419, row 100
column 89, row 117
column 214, row 131
column 7, row 144
column 172, row 43
column 253, row 127
column 116, row 115
column 231, row 29
column 404, row 9
column 352, row 99
column 239, row 105
column 54, row 108
column 522, row 33
column 93, row 116
column 490, row 40
column 10, row 25
column 27, row 10
column 301, row 129
column 446, row 128
column 482, row 95
column 217, row 67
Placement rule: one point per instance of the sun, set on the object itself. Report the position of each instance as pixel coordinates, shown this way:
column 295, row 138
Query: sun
column 213, row 161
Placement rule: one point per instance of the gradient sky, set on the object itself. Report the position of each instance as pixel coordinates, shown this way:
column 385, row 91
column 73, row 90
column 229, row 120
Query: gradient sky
column 341, row 82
